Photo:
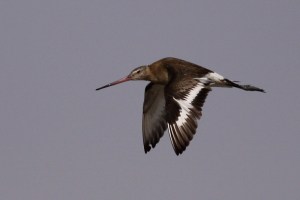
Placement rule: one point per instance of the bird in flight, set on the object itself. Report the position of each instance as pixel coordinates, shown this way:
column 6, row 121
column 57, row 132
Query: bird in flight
column 174, row 98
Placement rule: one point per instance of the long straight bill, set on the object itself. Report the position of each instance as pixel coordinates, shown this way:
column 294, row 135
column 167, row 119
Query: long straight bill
column 115, row 82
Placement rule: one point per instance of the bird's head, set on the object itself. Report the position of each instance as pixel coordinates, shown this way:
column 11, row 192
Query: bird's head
column 139, row 73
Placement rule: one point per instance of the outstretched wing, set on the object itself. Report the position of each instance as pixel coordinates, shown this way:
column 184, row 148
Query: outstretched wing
column 184, row 101
column 154, row 115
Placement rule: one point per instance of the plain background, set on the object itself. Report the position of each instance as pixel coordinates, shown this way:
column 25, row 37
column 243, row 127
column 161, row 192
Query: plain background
column 60, row 139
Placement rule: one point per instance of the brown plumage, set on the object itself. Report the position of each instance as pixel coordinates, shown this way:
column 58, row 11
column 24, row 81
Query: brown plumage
column 174, row 99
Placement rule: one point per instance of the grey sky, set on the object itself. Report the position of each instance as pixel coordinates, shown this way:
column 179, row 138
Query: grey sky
column 60, row 139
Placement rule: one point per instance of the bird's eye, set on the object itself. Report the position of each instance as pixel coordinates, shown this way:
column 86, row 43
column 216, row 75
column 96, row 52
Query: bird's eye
column 138, row 71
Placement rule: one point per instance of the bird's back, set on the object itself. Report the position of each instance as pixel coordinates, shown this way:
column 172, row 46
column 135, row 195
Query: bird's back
column 179, row 68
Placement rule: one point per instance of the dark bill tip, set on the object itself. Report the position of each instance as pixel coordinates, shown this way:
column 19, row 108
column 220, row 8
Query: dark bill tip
column 105, row 86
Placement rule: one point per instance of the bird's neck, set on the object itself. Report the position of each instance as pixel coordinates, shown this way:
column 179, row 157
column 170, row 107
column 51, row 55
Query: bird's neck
column 158, row 74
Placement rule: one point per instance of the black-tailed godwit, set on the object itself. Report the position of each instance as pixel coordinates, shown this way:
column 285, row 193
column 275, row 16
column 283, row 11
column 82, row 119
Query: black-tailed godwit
column 174, row 99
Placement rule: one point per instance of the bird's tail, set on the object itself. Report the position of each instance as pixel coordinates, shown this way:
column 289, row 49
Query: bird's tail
column 243, row 87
